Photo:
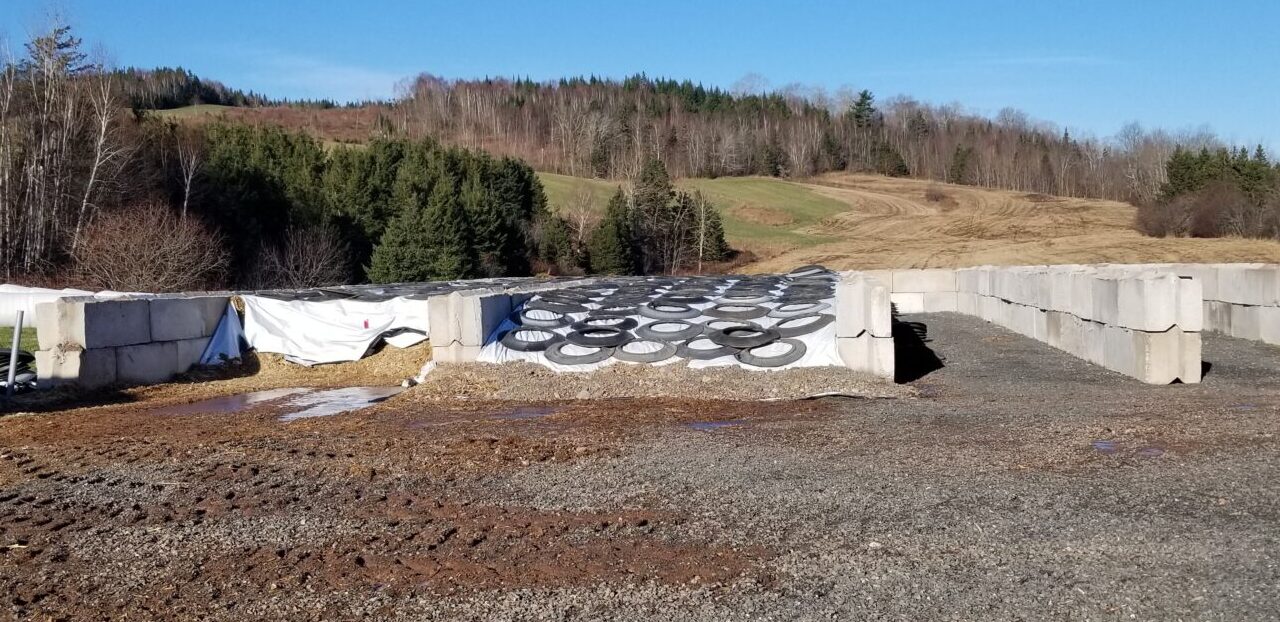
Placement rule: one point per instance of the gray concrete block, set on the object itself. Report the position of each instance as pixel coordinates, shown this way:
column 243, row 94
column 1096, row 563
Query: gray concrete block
column 1106, row 301
column 444, row 324
column 919, row 281
column 1192, row 359
column 1148, row 302
column 92, row 324
column 1190, row 314
column 455, row 353
column 936, row 302
column 480, row 317
column 1217, row 316
column 908, row 302
column 867, row 354
column 149, row 363
column 1249, row 285
column 53, row 326
column 185, row 318
column 1246, row 322
column 1269, row 324
column 862, row 305
column 86, row 369
column 190, row 351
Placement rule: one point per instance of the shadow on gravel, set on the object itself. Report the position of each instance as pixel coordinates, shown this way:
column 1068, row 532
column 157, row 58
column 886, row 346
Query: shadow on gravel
column 913, row 358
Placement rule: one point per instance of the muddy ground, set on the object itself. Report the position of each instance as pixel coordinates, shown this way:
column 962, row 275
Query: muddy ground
column 1021, row 483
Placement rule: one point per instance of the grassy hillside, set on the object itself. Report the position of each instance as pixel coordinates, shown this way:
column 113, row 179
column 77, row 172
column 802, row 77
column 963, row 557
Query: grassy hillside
column 849, row 221
column 764, row 215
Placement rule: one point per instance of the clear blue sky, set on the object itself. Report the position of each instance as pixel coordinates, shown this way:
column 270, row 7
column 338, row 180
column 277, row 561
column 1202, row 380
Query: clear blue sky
column 1090, row 66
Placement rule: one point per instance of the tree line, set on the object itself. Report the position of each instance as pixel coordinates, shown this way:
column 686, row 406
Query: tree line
column 608, row 128
column 94, row 196
column 1212, row 193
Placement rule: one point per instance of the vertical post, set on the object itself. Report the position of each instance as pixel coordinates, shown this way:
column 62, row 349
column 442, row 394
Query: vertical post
column 13, row 353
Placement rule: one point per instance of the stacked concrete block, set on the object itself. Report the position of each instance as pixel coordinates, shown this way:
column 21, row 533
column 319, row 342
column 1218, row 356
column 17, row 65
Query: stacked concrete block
column 1239, row 300
column 90, row 343
column 864, row 325
column 1143, row 321
column 922, row 291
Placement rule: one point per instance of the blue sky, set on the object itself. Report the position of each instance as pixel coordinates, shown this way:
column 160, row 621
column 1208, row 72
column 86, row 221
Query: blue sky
column 1090, row 66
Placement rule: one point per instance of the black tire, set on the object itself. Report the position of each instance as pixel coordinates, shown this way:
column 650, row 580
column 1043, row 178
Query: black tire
column 713, row 325
column 791, row 327
column 558, row 307
column 513, row 341
column 798, row 309
column 612, row 309
column 667, row 351
column 599, row 337
column 684, row 299
column 522, row 318
column 667, row 311
column 650, row 333
column 615, row 320
column 808, row 270
column 796, row 352
column 736, row 312
column 685, row 351
column 743, row 298
column 742, row 337
column 555, row 353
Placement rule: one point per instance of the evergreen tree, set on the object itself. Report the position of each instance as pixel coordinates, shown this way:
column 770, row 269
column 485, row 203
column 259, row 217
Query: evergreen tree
column 958, row 172
column 430, row 242
column 612, row 245
column 863, row 111
column 710, row 231
column 889, row 162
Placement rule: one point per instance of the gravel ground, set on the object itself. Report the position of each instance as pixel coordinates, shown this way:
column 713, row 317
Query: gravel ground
column 1021, row 484
column 529, row 381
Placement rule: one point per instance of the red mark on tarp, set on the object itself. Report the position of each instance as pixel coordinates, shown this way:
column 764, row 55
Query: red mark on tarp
column 366, row 323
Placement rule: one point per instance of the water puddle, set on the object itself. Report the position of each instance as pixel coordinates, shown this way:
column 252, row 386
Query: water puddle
column 1149, row 452
column 527, row 412
column 228, row 404
column 708, row 426
column 1245, row 407
column 337, row 401
column 1105, row 447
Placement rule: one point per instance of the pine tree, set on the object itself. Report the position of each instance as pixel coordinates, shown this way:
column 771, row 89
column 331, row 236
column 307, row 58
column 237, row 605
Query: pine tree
column 710, row 232
column 958, row 172
column 612, row 245
column 428, row 243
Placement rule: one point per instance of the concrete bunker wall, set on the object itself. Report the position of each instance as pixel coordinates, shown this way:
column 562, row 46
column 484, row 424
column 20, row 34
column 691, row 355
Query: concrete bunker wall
column 92, row 343
column 864, row 324
column 1141, row 321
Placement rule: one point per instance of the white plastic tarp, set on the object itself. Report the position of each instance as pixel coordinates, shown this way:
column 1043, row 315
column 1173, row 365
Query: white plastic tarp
column 330, row 331
column 820, row 346
column 14, row 298
column 225, row 343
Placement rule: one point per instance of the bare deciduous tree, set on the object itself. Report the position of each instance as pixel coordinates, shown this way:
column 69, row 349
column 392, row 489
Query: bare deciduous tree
column 149, row 248
column 309, row 257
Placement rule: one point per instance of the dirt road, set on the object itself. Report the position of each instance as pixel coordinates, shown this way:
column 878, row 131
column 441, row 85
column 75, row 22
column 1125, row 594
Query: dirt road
column 1023, row 484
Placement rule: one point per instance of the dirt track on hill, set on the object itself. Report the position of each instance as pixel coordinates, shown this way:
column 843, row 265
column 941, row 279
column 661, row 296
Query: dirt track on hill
column 892, row 223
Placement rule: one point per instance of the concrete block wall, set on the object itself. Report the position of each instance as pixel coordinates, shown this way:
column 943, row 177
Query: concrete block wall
column 864, row 324
column 462, row 321
column 1142, row 321
column 91, row 343
column 1239, row 300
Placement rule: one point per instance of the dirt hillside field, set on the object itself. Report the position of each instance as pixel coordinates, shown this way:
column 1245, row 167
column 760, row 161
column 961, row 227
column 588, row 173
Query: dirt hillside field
column 908, row 223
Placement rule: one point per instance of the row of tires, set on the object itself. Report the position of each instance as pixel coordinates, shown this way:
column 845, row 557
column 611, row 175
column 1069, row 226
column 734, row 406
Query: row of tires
column 590, row 341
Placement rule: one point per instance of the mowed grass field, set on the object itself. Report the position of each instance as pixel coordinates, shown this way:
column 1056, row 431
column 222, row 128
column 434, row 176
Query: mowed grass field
column 763, row 215
column 851, row 221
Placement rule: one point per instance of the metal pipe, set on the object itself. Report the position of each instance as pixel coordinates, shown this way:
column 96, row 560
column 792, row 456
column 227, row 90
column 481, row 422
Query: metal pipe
column 13, row 354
